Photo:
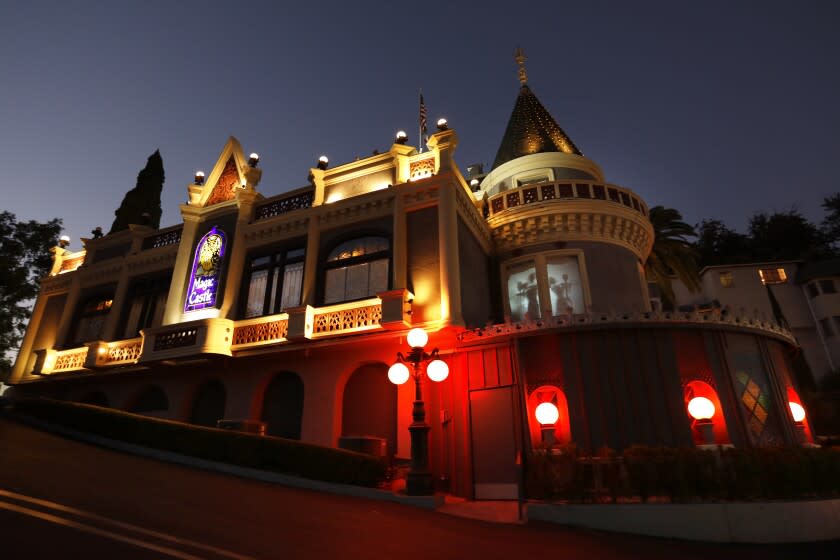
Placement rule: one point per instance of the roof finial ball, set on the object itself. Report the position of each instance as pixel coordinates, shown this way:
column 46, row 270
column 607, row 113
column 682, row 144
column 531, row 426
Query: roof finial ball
column 520, row 57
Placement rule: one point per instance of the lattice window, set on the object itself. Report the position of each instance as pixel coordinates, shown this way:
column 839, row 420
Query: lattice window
column 565, row 191
column 512, row 199
column 756, row 402
column 530, row 195
column 498, row 204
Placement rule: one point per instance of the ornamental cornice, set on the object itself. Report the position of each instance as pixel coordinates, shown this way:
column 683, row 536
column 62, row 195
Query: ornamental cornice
column 572, row 221
column 422, row 194
column 355, row 209
column 277, row 228
column 718, row 319
column 152, row 261
column 55, row 284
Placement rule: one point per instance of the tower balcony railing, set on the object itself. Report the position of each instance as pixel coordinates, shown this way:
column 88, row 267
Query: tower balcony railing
column 558, row 191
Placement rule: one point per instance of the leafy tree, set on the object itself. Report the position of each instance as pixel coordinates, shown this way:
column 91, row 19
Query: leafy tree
column 717, row 244
column 786, row 236
column 141, row 205
column 672, row 253
column 24, row 258
column 831, row 223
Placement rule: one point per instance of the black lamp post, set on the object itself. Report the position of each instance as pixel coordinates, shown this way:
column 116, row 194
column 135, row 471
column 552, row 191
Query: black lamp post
column 419, row 479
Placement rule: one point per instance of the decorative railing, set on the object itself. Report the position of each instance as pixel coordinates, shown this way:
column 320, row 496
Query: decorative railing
column 561, row 190
column 348, row 318
column 163, row 239
column 67, row 360
column 121, row 352
column 261, row 331
column 720, row 318
column 72, row 262
column 421, row 168
column 286, row 204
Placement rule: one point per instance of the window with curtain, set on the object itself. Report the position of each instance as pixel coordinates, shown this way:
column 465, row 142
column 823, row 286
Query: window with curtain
column 544, row 285
column 275, row 282
column 357, row 269
column 90, row 319
column 147, row 297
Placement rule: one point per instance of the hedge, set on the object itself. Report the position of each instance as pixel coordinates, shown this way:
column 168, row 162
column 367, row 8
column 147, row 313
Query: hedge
column 683, row 474
column 236, row 448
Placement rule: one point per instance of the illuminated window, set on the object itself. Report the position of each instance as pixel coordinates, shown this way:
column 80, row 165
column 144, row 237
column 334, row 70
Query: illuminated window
column 827, row 286
column 357, row 269
column 726, row 279
column 772, row 275
column 544, row 285
column 91, row 318
column 274, row 282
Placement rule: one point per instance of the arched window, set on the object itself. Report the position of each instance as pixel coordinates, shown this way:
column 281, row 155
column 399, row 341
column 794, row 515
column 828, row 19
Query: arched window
column 150, row 399
column 209, row 404
column 282, row 409
column 357, row 269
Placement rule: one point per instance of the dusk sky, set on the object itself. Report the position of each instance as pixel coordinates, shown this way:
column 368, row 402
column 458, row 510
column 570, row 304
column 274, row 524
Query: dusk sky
column 718, row 109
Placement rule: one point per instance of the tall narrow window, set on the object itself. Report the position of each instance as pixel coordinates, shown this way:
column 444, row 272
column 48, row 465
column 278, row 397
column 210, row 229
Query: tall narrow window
column 357, row 269
column 91, row 318
column 147, row 298
column 523, row 291
column 274, row 283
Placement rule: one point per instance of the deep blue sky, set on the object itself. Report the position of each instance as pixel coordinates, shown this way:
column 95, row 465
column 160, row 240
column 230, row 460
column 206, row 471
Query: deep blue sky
column 718, row 109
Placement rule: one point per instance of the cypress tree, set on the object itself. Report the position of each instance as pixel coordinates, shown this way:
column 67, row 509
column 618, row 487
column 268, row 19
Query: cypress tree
column 141, row 205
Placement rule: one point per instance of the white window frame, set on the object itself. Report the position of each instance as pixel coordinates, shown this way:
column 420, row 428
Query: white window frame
column 540, row 261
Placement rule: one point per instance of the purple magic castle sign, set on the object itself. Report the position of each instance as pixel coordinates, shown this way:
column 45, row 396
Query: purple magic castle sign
column 206, row 271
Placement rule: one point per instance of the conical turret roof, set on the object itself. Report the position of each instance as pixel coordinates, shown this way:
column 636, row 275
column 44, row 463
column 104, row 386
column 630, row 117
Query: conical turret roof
column 532, row 130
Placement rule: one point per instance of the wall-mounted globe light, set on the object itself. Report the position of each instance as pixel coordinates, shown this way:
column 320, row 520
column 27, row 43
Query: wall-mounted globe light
column 797, row 411
column 547, row 414
column 701, row 408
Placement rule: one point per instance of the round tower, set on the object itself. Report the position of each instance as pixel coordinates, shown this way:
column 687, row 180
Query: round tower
column 567, row 241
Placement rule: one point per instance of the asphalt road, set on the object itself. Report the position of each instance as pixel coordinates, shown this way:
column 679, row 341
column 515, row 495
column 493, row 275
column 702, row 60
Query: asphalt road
column 61, row 497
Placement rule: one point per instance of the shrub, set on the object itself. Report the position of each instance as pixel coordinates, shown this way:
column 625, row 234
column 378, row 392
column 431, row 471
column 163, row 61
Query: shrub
column 686, row 474
column 237, row 448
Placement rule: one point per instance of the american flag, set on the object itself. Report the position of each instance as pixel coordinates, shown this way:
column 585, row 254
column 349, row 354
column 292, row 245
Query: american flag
column 422, row 115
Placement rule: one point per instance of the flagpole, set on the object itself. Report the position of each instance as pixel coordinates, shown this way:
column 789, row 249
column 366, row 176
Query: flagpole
column 422, row 124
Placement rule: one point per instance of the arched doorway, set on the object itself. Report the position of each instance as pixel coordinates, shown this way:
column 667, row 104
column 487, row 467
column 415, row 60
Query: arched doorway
column 282, row 406
column 150, row 399
column 370, row 405
column 209, row 403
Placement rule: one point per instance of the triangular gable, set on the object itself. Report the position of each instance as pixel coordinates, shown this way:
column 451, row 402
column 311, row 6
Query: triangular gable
column 227, row 175
column 225, row 188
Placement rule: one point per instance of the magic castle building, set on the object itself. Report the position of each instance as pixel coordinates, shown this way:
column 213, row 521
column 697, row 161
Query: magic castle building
column 289, row 310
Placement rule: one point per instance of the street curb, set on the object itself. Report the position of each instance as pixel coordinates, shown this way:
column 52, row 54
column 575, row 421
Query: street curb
column 425, row 502
column 730, row 522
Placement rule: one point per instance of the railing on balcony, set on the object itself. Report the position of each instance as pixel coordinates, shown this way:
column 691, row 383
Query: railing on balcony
column 347, row 318
column 164, row 238
column 67, row 360
column 284, row 204
column 260, row 331
column 120, row 352
column 565, row 190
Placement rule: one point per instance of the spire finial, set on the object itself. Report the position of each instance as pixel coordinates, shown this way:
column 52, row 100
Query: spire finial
column 520, row 57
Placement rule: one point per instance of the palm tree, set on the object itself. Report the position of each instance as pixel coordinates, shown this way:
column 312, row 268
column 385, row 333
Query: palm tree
column 672, row 254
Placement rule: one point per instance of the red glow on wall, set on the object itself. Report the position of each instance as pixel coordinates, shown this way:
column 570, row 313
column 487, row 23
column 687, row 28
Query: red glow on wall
column 793, row 397
column 703, row 389
column 555, row 396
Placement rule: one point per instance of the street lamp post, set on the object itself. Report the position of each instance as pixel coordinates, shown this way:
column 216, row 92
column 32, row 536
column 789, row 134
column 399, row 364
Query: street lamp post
column 419, row 479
